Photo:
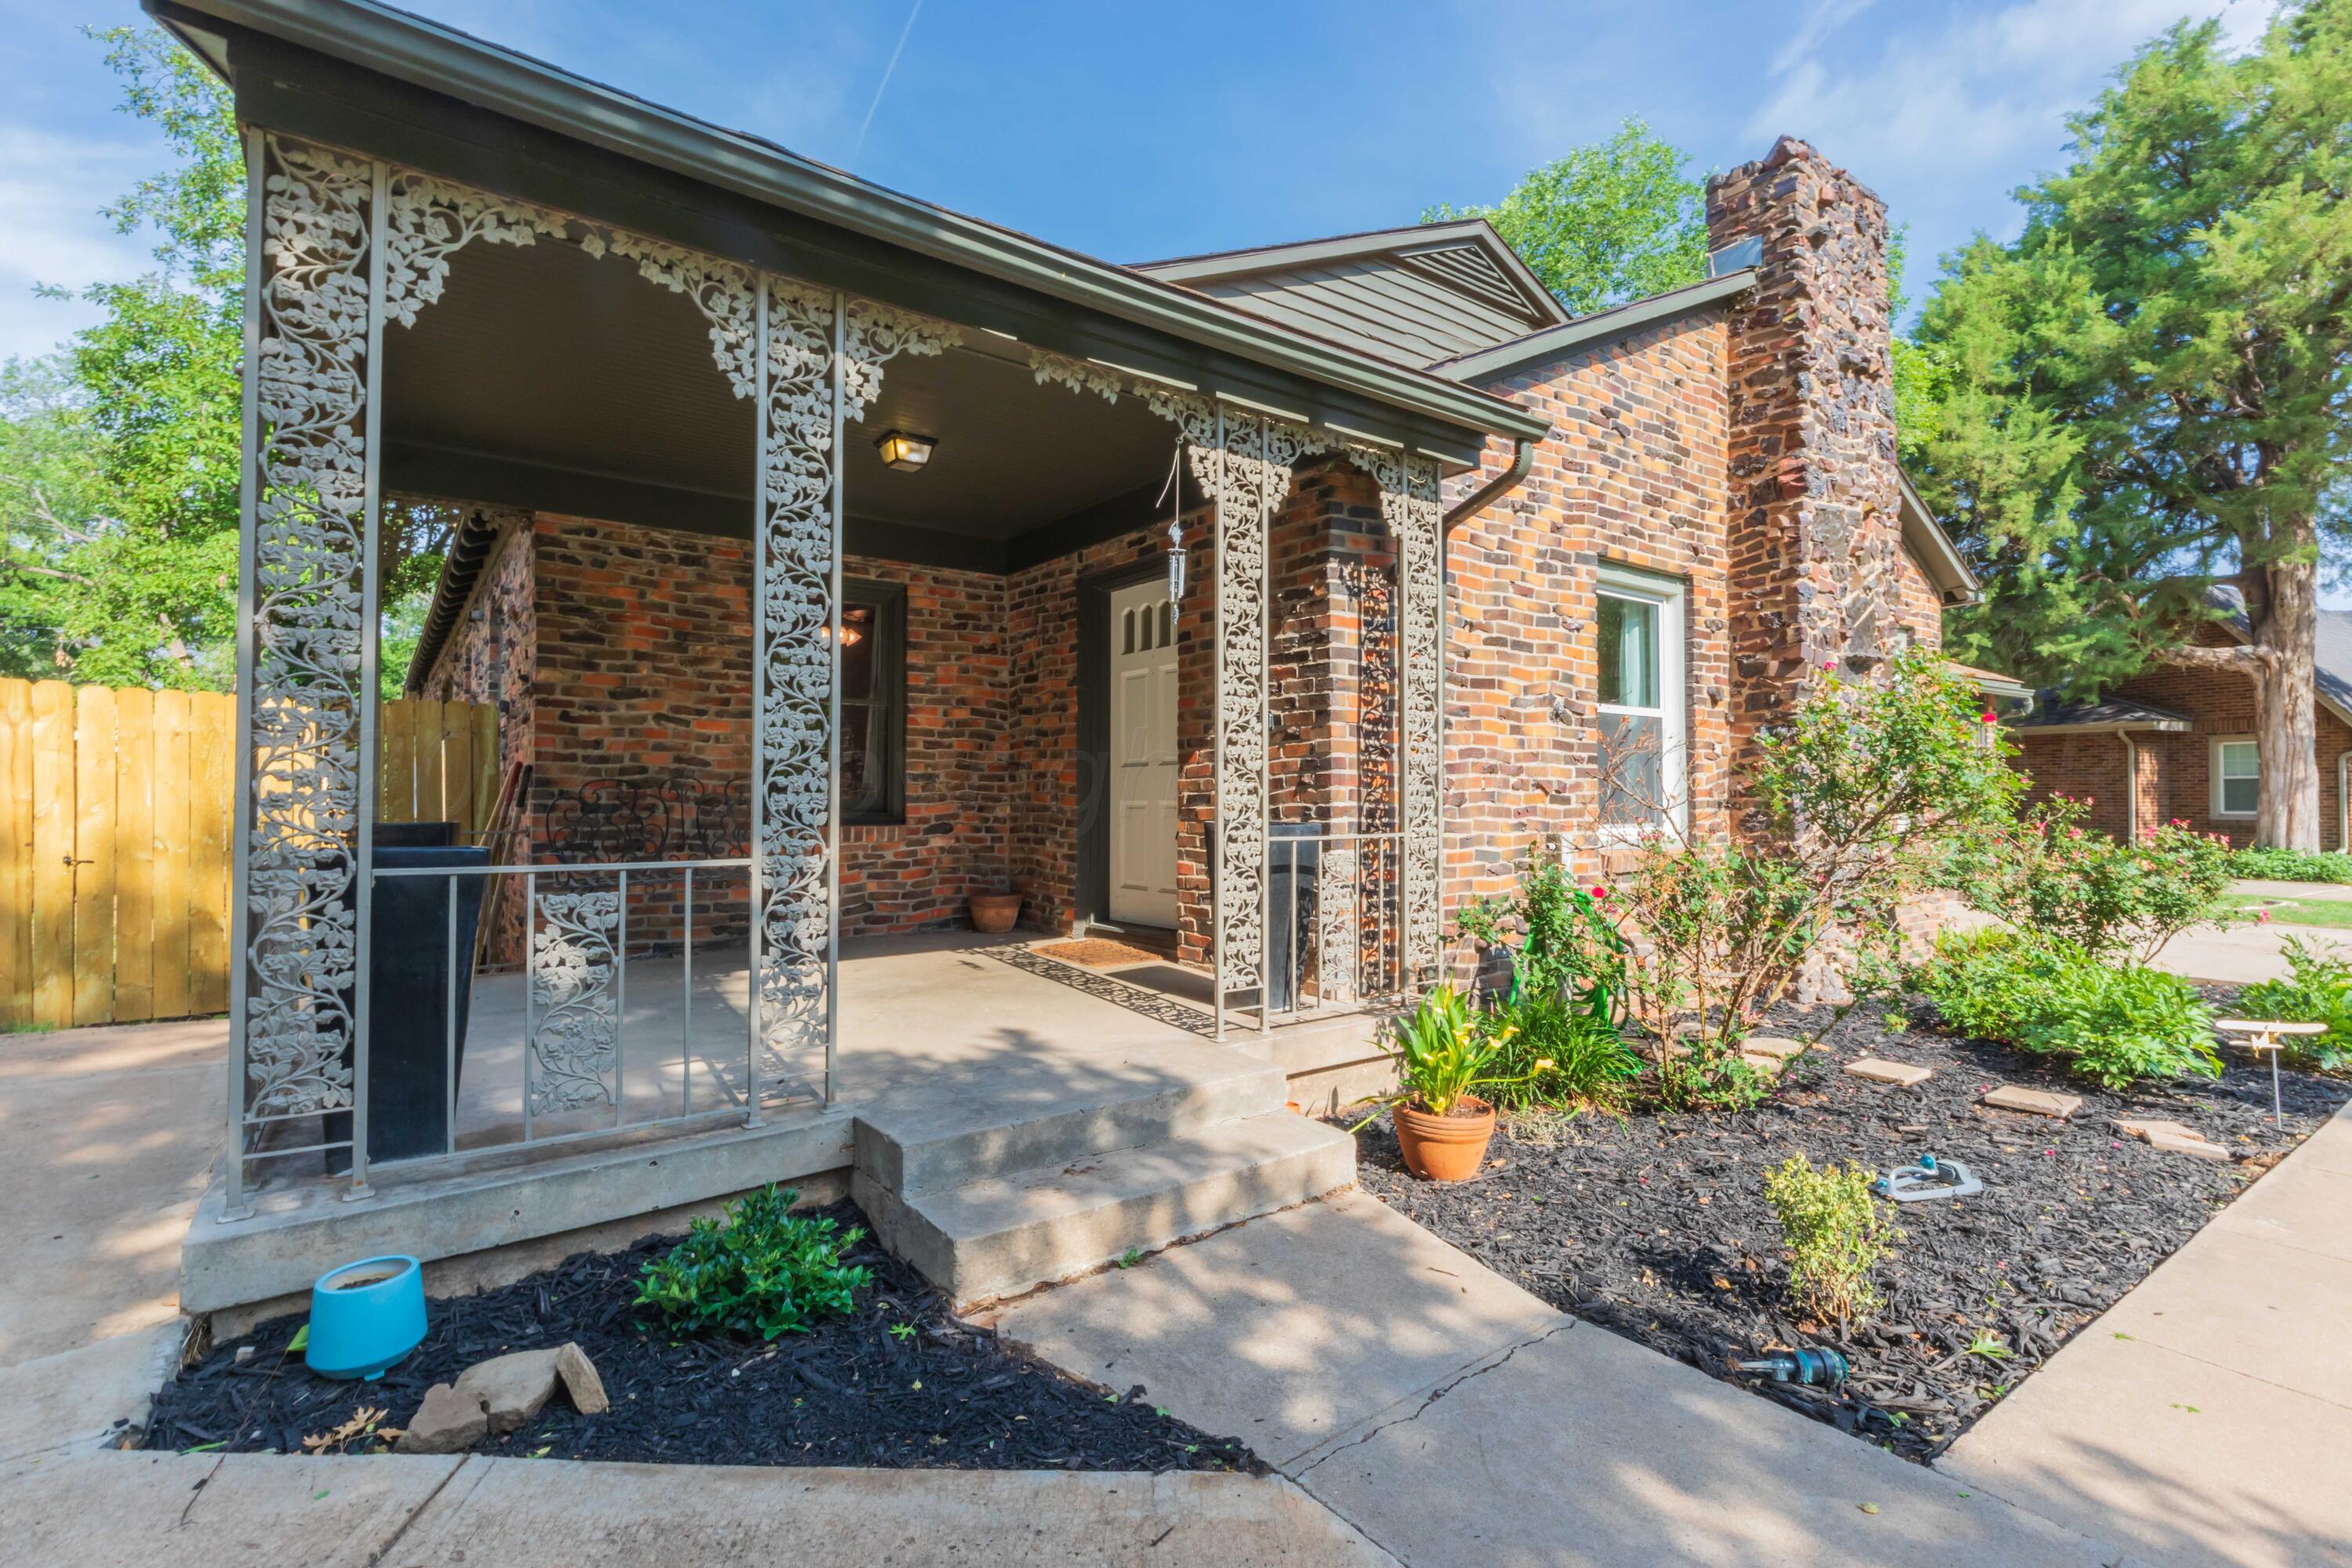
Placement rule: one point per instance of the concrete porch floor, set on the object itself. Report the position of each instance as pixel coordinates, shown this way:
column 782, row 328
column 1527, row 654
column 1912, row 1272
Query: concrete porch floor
column 944, row 1023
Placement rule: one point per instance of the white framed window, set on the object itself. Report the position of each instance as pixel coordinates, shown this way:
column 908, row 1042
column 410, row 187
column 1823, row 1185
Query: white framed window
column 2237, row 776
column 1638, row 631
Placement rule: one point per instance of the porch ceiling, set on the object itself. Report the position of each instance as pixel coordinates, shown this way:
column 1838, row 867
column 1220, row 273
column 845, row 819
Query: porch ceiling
column 549, row 379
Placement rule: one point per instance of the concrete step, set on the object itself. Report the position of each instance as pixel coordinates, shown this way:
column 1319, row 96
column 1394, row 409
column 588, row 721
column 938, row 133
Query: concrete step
column 947, row 1143
column 1001, row 1235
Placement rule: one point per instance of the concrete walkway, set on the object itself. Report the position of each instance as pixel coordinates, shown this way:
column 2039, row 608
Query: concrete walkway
column 1460, row 1423
column 2262, row 888
column 107, row 1137
column 198, row 1510
column 2208, row 1416
column 2240, row 955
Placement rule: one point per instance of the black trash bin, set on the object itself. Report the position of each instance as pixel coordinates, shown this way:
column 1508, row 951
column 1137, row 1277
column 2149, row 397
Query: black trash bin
column 409, row 1064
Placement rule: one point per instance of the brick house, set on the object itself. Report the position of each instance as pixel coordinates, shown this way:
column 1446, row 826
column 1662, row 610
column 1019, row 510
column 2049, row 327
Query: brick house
column 833, row 558
column 2179, row 744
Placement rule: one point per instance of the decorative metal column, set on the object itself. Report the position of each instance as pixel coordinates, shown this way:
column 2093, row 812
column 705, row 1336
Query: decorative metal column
column 307, row 564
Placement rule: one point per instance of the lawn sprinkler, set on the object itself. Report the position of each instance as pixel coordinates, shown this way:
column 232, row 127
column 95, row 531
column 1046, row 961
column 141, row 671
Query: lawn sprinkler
column 1928, row 1178
column 1818, row 1368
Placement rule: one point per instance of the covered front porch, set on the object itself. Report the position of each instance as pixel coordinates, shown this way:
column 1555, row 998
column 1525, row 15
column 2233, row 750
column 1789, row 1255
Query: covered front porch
column 829, row 558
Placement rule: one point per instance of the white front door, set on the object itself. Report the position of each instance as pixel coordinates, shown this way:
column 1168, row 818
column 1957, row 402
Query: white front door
column 1143, row 755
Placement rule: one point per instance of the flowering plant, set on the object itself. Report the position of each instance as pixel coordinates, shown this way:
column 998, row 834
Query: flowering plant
column 2051, row 873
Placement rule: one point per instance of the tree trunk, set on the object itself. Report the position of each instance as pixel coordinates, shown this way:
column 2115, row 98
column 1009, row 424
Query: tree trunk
column 2285, row 627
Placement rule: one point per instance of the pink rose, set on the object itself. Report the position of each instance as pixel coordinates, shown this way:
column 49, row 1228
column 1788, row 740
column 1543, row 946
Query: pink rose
column 1601, row 893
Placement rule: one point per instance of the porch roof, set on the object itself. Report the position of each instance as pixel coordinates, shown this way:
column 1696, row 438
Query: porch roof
column 1425, row 411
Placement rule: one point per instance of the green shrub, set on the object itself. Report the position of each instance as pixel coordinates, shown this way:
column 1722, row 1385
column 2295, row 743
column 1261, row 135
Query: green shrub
column 2118, row 1025
column 2049, row 873
column 1834, row 1234
column 1584, row 1056
column 765, row 1272
column 1569, row 946
column 2318, row 990
column 2290, row 866
column 1993, row 984
column 2114, row 1024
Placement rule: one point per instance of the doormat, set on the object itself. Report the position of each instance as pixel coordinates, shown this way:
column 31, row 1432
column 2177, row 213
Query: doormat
column 1101, row 953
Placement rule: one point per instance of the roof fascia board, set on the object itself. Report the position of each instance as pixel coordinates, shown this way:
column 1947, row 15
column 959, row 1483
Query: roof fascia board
column 1587, row 331
column 416, row 52
column 2109, row 727
column 1946, row 567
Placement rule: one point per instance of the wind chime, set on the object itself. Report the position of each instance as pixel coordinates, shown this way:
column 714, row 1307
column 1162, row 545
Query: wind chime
column 1173, row 493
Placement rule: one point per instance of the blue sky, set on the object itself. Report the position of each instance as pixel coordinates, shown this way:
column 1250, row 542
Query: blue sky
column 1135, row 132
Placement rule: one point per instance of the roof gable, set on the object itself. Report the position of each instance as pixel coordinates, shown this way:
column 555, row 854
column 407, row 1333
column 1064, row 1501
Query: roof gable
column 1412, row 296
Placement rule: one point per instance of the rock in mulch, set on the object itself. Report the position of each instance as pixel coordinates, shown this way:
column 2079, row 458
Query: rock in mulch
column 1657, row 1227
column 448, row 1422
column 2172, row 1135
column 901, row 1384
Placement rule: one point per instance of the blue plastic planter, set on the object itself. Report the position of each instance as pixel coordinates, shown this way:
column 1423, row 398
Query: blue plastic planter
column 359, row 1329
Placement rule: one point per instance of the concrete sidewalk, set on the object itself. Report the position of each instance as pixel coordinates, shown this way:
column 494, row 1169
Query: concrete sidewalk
column 197, row 1511
column 2207, row 1417
column 2239, row 955
column 1460, row 1423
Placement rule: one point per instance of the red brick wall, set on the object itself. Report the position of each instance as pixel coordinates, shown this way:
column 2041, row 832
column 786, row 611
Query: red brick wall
column 2177, row 778
column 1632, row 474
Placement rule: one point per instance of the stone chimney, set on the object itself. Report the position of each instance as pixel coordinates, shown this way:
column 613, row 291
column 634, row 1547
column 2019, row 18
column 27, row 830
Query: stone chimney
column 1816, row 523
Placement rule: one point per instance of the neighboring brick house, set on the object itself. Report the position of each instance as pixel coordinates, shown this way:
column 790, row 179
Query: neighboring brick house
column 1716, row 515
column 2179, row 744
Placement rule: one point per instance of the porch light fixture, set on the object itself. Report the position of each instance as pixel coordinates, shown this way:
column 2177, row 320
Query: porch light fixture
column 904, row 452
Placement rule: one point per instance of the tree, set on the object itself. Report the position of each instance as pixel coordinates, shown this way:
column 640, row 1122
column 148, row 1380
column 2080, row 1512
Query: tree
column 120, row 459
column 2150, row 391
column 1614, row 221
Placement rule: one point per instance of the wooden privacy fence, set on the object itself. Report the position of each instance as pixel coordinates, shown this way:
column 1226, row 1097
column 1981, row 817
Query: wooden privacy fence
column 115, row 839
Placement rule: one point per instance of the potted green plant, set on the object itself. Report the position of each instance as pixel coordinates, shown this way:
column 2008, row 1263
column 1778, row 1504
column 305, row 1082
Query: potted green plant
column 1442, row 1050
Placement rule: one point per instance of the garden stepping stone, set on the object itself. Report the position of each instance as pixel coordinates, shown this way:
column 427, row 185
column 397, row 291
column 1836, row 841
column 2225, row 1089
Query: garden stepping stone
column 2173, row 1136
column 1773, row 1046
column 1879, row 1070
column 448, row 1422
column 2033, row 1102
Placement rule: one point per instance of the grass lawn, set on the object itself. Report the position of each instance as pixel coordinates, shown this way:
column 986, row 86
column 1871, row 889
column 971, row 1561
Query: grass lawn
column 2334, row 912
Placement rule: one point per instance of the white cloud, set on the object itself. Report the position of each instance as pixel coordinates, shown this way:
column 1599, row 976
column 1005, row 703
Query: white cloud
column 51, row 188
column 1988, row 90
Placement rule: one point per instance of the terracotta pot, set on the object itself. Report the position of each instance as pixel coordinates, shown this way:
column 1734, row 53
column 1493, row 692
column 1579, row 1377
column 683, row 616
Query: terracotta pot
column 1445, row 1148
column 995, row 913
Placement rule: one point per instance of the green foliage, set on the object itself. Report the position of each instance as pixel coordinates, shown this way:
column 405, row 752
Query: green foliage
column 1616, row 220
column 2291, row 866
column 119, row 458
column 2114, row 1024
column 2048, row 873
column 1835, row 1236
column 1552, row 1052
column 1442, row 1050
column 1857, row 805
column 765, row 1272
column 2146, row 389
column 2316, row 990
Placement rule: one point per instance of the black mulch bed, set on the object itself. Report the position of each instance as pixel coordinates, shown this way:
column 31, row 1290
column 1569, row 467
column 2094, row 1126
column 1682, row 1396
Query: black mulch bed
column 853, row 1391
column 1658, row 1229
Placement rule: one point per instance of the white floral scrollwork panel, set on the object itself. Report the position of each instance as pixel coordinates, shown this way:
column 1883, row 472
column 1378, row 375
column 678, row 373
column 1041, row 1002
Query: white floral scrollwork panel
column 310, row 528
column 1418, row 520
column 795, row 685
column 1338, row 940
column 575, row 1037
column 1244, row 511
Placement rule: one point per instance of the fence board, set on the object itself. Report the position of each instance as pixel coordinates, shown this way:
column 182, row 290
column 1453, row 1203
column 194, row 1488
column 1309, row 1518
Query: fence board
column 53, row 837
column 426, row 749
column 209, row 783
column 134, row 839
column 16, row 853
column 93, row 855
column 169, row 941
column 396, row 747
column 485, row 768
column 456, row 754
